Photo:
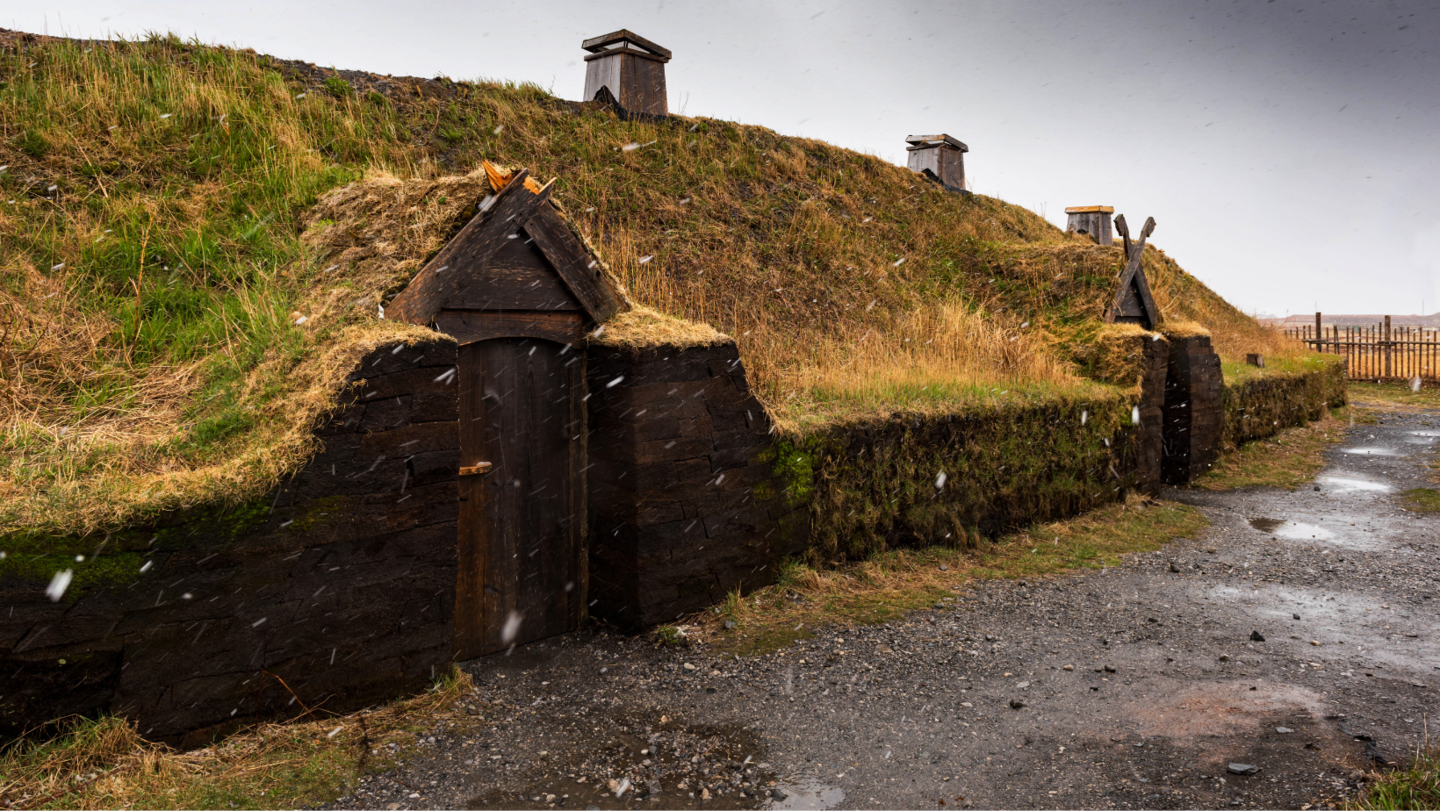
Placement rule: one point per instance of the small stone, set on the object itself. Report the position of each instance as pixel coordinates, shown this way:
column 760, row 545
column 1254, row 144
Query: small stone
column 966, row 704
column 549, row 798
column 1357, row 775
column 1224, row 657
column 1314, row 642
column 1295, row 616
column 704, row 793
column 1284, row 730
column 689, row 666
column 885, row 649
column 1109, row 668
column 944, row 568
column 1174, row 568
column 1243, row 768
column 729, row 624
column 777, row 794
column 1256, row 636
column 1210, row 550
column 1016, row 704
column 1022, row 685
column 1317, row 488
column 1068, row 667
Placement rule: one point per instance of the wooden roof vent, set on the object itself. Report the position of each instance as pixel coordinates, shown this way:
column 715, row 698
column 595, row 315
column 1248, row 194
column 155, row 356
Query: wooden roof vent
column 1133, row 303
column 627, row 71
column 940, row 158
column 516, row 270
column 1093, row 221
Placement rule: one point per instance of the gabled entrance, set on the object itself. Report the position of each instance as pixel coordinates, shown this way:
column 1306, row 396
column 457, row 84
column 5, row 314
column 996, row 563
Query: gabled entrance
column 518, row 290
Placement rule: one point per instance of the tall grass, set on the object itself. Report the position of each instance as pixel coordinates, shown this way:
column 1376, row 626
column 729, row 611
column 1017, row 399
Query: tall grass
column 160, row 255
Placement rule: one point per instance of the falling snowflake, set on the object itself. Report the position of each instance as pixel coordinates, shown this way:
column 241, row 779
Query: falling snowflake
column 511, row 628
column 499, row 128
column 645, row 259
column 1135, row 415
column 612, row 384
column 58, row 584
column 940, row 481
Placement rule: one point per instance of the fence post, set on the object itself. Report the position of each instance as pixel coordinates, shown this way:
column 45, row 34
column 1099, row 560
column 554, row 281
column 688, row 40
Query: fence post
column 1387, row 347
column 1317, row 330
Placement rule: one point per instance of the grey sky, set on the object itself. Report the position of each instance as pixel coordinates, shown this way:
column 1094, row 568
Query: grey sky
column 1287, row 149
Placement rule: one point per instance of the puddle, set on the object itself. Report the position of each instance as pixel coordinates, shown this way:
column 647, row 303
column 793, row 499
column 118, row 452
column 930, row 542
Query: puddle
column 1348, row 625
column 1349, row 484
column 1370, row 450
column 1430, row 434
column 1313, row 533
column 808, row 793
column 1294, row 530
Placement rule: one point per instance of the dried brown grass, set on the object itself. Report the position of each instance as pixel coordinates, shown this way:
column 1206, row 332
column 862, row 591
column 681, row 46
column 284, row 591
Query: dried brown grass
column 105, row 763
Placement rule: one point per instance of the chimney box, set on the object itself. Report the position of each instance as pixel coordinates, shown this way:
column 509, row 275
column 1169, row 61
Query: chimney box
column 630, row 68
column 939, row 157
column 1093, row 221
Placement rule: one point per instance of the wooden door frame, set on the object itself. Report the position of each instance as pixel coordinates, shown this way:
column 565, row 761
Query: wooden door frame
column 475, row 620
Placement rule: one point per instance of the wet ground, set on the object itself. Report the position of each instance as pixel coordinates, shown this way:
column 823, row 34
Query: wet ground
column 1300, row 635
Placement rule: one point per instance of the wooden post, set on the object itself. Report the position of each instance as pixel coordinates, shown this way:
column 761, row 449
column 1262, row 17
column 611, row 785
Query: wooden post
column 1317, row 325
column 1386, row 339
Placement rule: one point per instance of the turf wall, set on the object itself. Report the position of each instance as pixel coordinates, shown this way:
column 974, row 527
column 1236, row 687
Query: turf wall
column 1260, row 405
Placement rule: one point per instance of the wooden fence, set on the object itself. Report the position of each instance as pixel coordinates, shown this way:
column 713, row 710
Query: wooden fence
column 1378, row 352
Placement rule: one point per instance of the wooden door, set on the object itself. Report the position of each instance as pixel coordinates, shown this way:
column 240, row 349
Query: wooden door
column 522, row 520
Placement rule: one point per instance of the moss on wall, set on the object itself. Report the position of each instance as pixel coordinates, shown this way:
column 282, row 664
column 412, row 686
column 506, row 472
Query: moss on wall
column 1259, row 403
column 961, row 478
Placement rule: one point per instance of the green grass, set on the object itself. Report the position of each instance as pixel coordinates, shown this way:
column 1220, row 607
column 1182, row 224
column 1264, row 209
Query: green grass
column 159, row 362
column 1422, row 500
column 1394, row 396
column 1287, row 460
column 893, row 583
column 1415, row 785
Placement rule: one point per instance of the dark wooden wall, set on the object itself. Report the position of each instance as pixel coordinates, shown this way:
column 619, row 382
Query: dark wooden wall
column 1094, row 223
column 636, row 82
column 341, row 582
column 945, row 162
column 684, row 508
column 1194, row 412
column 1150, row 444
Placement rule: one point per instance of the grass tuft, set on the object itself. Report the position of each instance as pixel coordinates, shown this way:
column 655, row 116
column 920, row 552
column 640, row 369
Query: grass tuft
column 1415, row 785
column 889, row 584
column 105, row 763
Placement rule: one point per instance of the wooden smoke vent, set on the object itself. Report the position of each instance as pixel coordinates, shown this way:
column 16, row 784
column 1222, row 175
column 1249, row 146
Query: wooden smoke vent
column 1133, row 303
column 1094, row 221
column 627, row 71
column 515, row 270
column 940, row 158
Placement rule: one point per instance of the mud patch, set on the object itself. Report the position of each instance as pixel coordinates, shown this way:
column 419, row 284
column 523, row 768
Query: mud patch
column 1190, row 712
column 650, row 761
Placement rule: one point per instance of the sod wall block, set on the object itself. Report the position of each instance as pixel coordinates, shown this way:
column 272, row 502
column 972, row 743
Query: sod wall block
column 684, row 506
column 334, row 590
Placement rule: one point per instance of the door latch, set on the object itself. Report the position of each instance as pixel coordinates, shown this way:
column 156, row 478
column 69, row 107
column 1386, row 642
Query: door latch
column 475, row 470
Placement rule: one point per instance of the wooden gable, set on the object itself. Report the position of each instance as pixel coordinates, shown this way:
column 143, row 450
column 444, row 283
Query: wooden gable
column 1133, row 303
column 515, row 270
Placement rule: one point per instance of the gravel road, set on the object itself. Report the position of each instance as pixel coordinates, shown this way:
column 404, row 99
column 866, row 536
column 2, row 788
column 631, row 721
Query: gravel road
column 1299, row 635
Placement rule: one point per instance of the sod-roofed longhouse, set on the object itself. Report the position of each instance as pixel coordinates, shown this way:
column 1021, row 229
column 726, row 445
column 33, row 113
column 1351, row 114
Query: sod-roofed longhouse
column 445, row 515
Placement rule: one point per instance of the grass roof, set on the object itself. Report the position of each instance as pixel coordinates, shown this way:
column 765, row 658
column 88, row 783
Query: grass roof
column 195, row 242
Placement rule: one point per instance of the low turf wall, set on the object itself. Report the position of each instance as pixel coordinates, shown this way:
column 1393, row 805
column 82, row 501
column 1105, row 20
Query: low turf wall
column 1259, row 405
column 334, row 590
column 957, row 479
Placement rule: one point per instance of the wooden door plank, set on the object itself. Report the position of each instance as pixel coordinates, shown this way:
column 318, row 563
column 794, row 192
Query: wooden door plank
column 464, row 255
column 516, row 277
column 472, row 530
column 581, row 273
column 469, row 326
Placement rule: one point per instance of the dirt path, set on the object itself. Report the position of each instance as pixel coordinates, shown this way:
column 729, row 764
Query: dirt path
column 1131, row 687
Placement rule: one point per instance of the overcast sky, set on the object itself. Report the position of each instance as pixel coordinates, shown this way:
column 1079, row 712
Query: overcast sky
column 1289, row 150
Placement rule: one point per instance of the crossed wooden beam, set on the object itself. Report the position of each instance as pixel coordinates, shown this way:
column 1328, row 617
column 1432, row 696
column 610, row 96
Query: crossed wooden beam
column 1133, row 303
